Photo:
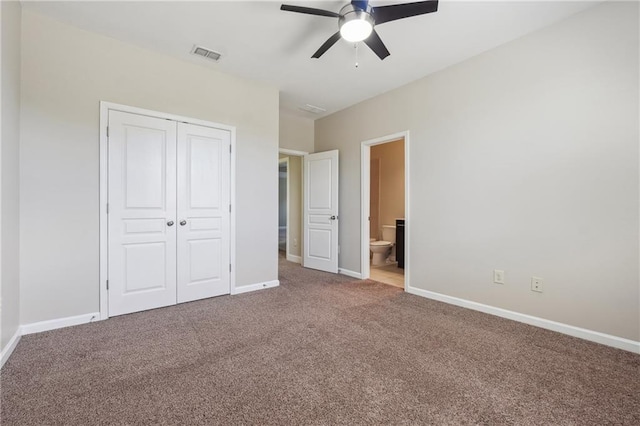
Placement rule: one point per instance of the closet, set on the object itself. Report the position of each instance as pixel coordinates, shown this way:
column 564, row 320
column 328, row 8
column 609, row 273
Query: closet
column 168, row 212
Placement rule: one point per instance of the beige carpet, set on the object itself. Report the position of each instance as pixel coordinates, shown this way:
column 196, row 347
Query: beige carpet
column 320, row 349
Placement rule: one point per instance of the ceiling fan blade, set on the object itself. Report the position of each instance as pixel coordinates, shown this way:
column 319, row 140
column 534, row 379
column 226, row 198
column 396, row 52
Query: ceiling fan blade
column 327, row 44
column 309, row 11
column 392, row 12
column 360, row 4
column 375, row 43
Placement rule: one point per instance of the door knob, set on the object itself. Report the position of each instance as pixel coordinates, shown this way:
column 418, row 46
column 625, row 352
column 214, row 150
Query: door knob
column 170, row 223
column 333, row 217
column 183, row 222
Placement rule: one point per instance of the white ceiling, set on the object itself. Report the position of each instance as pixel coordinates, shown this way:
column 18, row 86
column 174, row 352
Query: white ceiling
column 260, row 42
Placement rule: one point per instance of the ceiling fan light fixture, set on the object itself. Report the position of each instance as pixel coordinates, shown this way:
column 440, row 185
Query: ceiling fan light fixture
column 356, row 30
column 355, row 24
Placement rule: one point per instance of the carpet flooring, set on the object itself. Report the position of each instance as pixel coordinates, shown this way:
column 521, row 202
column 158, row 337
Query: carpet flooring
column 320, row 349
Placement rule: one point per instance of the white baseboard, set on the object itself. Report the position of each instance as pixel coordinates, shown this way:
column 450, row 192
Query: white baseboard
column 293, row 258
column 349, row 273
column 37, row 327
column 11, row 345
column 254, row 287
column 582, row 333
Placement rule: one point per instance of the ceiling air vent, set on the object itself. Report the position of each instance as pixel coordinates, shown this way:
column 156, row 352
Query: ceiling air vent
column 312, row 109
column 206, row 53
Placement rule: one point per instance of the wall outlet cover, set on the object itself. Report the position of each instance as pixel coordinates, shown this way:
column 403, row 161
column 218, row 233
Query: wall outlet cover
column 537, row 284
column 498, row 276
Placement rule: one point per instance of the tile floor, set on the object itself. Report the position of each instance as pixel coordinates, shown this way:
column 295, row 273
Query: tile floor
column 388, row 274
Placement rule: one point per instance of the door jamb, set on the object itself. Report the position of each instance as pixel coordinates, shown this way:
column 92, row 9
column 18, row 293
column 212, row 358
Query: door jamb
column 365, row 188
column 105, row 107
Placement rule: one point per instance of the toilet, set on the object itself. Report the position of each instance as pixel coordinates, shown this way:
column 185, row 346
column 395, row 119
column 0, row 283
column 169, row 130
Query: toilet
column 384, row 248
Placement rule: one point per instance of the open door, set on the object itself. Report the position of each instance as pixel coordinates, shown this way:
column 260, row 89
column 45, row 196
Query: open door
column 321, row 211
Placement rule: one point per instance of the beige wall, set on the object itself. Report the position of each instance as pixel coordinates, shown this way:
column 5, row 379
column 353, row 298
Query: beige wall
column 10, row 13
column 391, row 181
column 524, row 158
column 65, row 73
column 295, row 204
column 296, row 133
column 374, row 199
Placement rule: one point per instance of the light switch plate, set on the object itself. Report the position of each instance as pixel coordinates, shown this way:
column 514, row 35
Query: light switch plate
column 498, row 276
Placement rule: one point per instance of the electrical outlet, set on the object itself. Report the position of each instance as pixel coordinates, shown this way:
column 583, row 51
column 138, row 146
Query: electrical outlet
column 498, row 276
column 295, row 242
column 537, row 284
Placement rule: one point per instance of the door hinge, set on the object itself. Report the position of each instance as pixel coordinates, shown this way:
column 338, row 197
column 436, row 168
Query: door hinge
column 229, row 267
column 107, row 131
column 107, row 208
column 107, row 284
column 229, row 149
column 229, row 208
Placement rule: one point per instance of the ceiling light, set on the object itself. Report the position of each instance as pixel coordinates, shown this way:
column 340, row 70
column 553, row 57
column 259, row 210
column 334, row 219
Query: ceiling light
column 355, row 24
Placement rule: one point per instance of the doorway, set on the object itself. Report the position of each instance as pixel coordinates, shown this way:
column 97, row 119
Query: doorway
column 290, row 187
column 283, row 204
column 385, row 209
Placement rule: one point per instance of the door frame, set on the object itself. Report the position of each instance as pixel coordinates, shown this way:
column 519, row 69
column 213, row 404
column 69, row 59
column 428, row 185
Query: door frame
column 365, row 188
column 300, row 154
column 105, row 107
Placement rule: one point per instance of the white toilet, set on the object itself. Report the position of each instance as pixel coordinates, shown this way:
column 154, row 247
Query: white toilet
column 383, row 249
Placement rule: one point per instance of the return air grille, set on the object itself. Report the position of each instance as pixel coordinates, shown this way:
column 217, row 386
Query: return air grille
column 312, row 109
column 206, row 53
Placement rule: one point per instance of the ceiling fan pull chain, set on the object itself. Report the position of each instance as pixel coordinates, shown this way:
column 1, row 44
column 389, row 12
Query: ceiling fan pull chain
column 355, row 46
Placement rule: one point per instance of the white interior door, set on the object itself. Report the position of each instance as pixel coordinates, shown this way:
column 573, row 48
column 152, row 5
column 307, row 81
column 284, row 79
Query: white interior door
column 203, row 212
column 321, row 211
column 142, row 213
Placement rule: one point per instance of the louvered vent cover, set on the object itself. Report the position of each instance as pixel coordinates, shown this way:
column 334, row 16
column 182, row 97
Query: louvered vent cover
column 206, row 53
column 312, row 109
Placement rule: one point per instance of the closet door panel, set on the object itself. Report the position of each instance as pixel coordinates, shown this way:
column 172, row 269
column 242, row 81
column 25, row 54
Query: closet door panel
column 203, row 212
column 142, row 212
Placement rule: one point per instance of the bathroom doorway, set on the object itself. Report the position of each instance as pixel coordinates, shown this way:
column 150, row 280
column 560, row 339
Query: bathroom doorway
column 385, row 209
column 290, row 164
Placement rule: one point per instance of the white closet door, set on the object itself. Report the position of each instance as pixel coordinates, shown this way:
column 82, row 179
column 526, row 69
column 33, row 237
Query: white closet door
column 142, row 208
column 203, row 212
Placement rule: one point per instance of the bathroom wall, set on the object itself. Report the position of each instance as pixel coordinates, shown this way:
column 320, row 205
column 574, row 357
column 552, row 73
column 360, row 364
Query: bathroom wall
column 391, row 182
column 374, row 199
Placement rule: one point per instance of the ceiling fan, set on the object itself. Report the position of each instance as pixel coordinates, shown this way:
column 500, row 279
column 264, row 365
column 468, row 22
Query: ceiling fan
column 356, row 21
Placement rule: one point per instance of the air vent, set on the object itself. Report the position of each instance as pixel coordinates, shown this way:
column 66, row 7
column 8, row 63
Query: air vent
column 312, row 109
column 206, row 53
